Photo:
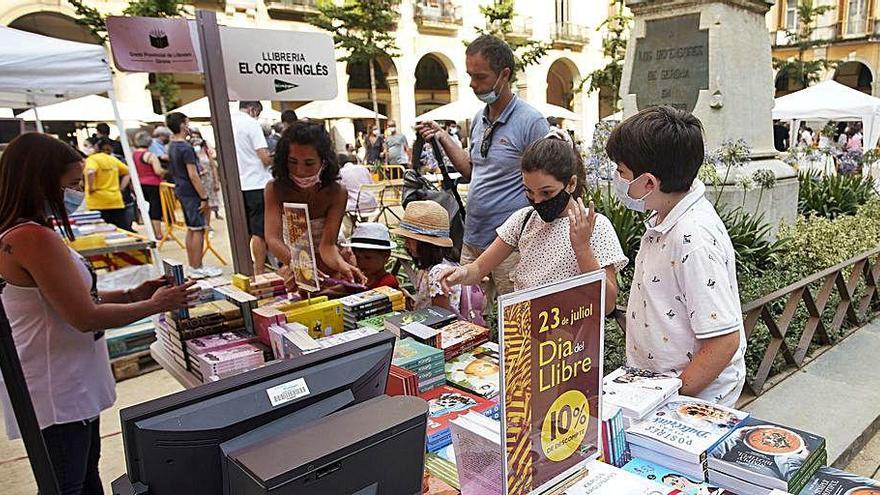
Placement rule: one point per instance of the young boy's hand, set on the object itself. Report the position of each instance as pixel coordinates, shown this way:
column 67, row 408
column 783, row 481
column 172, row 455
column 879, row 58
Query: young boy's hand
column 581, row 223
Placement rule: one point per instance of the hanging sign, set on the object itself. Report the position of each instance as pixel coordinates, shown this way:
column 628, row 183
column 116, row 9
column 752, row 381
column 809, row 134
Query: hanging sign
column 154, row 44
column 266, row 64
column 552, row 351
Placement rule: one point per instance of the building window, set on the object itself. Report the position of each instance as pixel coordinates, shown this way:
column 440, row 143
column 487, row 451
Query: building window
column 562, row 12
column 791, row 14
column 856, row 15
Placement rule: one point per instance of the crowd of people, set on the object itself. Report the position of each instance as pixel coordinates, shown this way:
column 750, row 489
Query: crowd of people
column 526, row 225
column 837, row 136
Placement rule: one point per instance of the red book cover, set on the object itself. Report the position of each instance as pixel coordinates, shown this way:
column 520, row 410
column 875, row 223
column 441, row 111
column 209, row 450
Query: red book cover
column 446, row 403
column 401, row 382
column 265, row 318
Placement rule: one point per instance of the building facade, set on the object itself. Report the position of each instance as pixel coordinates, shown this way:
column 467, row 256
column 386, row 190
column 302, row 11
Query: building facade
column 848, row 34
column 428, row 71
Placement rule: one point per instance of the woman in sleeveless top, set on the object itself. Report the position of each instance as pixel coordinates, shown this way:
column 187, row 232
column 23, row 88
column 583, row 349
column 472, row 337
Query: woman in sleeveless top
column 56, row 314
column 150, row 172
column 305, row 171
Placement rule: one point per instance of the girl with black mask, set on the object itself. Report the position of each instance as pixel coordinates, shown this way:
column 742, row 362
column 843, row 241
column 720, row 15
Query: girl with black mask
column 558, row 237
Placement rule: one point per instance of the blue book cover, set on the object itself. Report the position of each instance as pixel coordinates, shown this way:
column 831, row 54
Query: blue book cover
column 684, row 485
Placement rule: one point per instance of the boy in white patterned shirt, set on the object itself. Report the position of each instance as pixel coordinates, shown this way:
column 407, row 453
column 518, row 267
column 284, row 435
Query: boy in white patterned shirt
column 683, row 316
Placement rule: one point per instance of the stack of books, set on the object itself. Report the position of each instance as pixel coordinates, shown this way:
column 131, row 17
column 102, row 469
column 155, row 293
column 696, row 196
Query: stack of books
column 683, row 484
column 322, row 319
column 341, row 338
column 376, row 322
column 228, row 362
column 447, row 403
column 130, row 339
column 681, row 433
column 206, row 288
column 605, row 479
column 205, row 319
column 431, row 316
column 830, row 481
column 260, row 286
column 614, row 447
column 265, row 318
column 637, row 392
column 375, row 302
column 423, row 360
column 461, row 336
column 401, row 381
column 213, row 343
column 442, row 469
column 478, row 453
column 291, row 340
column 245, row 302
column 476, row 371
column 760, row 456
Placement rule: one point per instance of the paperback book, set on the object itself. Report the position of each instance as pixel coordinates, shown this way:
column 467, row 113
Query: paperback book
column 476, row 371
column 431, row 316
column 478, row 454
column 461, row 336
column 831, row 481
column 605, row 479
column 638, row 392
column 174, row 273
column 683, row 485
column 445, row 404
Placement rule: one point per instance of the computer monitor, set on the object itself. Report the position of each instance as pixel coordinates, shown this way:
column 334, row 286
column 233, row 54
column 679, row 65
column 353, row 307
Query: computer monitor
column 172, row 444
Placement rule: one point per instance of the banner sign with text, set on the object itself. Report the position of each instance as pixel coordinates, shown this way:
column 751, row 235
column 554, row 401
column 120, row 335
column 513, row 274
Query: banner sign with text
column 267, row 64
column 154, row 44
column 552, row 352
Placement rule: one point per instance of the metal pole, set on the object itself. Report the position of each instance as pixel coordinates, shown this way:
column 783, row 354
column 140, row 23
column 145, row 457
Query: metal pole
column 135, row 179
column 39, row 122
column 23, row 407
column 224, row 138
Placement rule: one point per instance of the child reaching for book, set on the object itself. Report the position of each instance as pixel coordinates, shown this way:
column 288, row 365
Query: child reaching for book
column 683, row 316
column 557, row 236
column 425, row 225
column 372, row 245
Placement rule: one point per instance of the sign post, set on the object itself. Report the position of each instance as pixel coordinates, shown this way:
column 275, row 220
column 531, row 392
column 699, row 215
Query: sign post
column 218, row 99
column 551, row 379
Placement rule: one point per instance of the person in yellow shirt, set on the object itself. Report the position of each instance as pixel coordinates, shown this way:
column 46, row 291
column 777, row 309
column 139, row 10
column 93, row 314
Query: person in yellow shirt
column 106, row 177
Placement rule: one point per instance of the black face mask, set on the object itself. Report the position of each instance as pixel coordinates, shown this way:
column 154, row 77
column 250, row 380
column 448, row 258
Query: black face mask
column 549, row 210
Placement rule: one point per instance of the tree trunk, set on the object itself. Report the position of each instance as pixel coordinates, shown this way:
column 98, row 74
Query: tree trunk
column 373, row 92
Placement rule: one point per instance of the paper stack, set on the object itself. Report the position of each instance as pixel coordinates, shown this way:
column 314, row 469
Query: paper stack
column 423, row 360
column 637, row 392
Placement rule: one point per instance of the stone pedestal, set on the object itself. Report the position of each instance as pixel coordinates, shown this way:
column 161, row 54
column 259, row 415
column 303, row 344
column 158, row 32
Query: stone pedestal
column 712, row 58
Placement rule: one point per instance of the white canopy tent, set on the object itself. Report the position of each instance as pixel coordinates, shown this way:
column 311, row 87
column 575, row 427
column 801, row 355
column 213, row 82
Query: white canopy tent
column 6, row 113
column 39, row 70
column 830, row 100
column 91, row 108
column 334, row 110
column 201, row 110
column 550, row 110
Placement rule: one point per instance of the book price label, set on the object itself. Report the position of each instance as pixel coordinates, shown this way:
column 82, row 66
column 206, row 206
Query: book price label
column 286, row 392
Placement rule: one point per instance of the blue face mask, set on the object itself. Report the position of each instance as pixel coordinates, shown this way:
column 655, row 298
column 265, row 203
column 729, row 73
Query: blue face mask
column 73, row 199
column 492, row 95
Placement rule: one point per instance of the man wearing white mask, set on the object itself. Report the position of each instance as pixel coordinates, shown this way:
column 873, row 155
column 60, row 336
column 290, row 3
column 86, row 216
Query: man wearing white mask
column 396, row 147
column 500, row 134
column 254, row 160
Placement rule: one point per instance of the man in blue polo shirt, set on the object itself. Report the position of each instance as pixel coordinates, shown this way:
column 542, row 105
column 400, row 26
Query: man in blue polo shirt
column 501, row 132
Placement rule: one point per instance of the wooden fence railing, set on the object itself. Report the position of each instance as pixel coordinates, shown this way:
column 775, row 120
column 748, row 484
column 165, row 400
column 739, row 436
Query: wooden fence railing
column 812, row 294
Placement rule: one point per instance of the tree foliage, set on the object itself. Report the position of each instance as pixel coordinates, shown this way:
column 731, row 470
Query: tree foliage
column 616, row 28
column 499, row 23
column 805, row 72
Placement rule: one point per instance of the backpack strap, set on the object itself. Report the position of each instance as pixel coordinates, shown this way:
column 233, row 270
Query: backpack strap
column 522, row 228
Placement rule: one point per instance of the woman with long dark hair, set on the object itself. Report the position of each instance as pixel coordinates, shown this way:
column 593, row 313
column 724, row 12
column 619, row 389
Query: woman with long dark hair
column 305, row 171
column 56, row 313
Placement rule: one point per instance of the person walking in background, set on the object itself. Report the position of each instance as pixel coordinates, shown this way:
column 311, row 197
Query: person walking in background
column 150, row 172
column 453, row 130
column 353, row 176
column 183, row 164
column 208, row 171
column 159, row 145
column 106, row 177
column 501, row 132
column 57, row 315
column 396, row 146
column 254, row 160
column 103, row 131
column 375, row 146
column 854, row 143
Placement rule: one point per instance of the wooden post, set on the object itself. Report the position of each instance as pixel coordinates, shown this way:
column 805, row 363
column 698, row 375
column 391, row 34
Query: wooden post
column 218, row 98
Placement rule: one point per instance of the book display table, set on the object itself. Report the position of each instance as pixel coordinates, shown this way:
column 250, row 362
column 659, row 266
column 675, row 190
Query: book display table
column 132, row 251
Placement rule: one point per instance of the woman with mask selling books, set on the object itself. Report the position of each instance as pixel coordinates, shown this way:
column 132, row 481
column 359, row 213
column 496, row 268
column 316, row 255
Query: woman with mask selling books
column 55, row 311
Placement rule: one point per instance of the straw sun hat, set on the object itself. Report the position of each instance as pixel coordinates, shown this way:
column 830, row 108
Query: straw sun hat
column 425, row 221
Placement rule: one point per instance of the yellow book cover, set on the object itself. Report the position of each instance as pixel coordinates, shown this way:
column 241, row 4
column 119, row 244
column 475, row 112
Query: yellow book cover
column 322, row 319
column 241, row 281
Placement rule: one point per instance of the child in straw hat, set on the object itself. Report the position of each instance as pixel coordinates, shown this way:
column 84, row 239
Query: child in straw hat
column 425, row 226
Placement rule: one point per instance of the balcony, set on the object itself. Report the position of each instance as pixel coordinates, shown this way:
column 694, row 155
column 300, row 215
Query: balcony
column 521, row 28
column 293, row 10
column 569, row 35
column 437, row 17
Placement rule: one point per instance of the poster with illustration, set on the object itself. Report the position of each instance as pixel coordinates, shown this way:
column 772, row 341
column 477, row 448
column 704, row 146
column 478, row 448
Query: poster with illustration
column 297, row 234
column 551, row 341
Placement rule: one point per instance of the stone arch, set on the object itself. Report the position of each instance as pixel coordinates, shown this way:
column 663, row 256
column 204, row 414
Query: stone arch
column 433, row 74
column 856, row 74
column 53, row 24
column 387, row 89
column 561, row 79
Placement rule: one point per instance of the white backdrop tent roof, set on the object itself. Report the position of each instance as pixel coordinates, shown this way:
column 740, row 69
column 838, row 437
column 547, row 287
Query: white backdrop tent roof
column 550, row 110
column 39, row 70
column 334, row 109
column 6, row 113
column 91, row 108
column 201, row 110
column 830, row 100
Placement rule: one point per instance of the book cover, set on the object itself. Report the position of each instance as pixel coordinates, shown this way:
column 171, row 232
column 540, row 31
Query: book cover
column 672, row 479
column 461, row 336
column 174, row 272
column 217, row 342
column 322, row 319
column 411, row 354
column 637, row 391
column 401, row 382
column 431, row 316
column 376, row 322
column 685, row 428
column 421, row 333
column 479, row 457
column 831, row 481
column 766, row 453
column 605, row 479
column 297, row 234
column 476, row 371
column 446, row 403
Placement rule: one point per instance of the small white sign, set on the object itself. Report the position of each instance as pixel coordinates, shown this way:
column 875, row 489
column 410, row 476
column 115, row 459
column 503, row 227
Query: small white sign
column 268, row 64
column 286, row 392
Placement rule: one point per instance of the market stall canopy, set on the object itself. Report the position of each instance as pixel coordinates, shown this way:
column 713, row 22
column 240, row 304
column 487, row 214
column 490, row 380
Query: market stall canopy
column 334, row 109
column 830, row 100
column 550, row 110
column 461, row 109
column 91, row 108
column 6, row 113
column 39, row 70
column 201, row 110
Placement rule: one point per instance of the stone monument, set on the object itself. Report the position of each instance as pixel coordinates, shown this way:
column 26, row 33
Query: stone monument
column 712, row 58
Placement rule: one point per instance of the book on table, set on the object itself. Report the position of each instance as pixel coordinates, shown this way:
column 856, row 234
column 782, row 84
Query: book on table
column 638, row 392
column 476, row 371
column 478, row 454
column 684, row 485
column 831, row 481
column 605, row 479
column 432, row 316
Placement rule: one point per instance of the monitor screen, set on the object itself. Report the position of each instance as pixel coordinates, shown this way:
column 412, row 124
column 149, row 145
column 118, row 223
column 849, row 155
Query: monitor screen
column 172, row 444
